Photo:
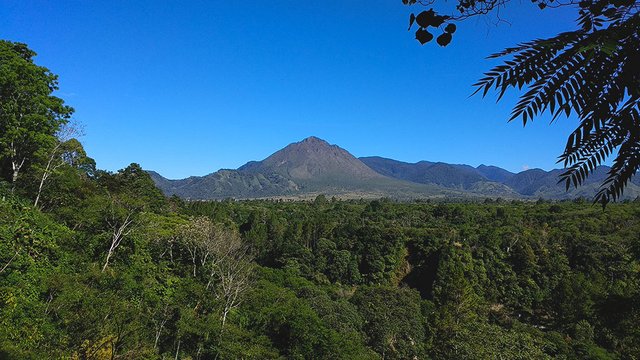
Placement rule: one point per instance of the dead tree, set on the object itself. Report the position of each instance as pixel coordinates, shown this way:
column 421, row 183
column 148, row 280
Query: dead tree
column 227, row 259
column 16, row 164
column 230, row 267
column 234, row 276
column 120, row 226
column 194, row 236
column 9, row 262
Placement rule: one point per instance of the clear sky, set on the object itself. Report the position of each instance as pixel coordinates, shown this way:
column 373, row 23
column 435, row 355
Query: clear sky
column 189, row 87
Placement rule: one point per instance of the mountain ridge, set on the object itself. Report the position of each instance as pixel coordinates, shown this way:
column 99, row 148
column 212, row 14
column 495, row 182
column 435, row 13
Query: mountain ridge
column 313, row 166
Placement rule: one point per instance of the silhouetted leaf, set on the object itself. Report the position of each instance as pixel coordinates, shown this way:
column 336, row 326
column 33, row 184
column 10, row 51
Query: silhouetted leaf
column 412, row 18
column 450, row 28
column 423, row 36
column 439, row 20
column 610, row 12
column 425, row 18
column 597, row 7
column 444, row 39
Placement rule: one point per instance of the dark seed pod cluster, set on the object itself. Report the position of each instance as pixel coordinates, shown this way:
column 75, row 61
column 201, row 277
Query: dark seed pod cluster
column 427, row 19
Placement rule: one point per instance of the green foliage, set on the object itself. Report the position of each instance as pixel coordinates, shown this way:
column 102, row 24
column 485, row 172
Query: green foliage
column 393, row 325
column 334, row 279
column 480, row 340
column 286, row 312
column 30, row 115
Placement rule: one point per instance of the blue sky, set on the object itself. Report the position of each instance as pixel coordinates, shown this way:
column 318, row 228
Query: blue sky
column 189, row 87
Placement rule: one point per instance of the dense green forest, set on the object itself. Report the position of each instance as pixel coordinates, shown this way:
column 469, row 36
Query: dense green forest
column 101, row 265
column 322, row 279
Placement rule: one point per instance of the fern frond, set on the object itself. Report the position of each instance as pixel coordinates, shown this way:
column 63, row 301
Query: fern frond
column 593, row 73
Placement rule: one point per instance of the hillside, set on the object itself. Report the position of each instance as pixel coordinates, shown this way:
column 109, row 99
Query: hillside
column 313, row 166
column 301, row 170
column 313, row 160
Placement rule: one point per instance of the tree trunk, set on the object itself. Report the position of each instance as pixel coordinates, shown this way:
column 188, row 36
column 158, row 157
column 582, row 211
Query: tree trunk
column 224, row 319
column 16, row 170
column 8, row 263
column 14, row 177
column 42, row 180
column 106, row 261
column 177, row 350
column 165, row 318
column 45, row 175
column 119, row 232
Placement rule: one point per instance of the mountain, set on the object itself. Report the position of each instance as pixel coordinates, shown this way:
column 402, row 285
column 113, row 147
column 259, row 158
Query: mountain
column 454, row 176
column 539, row 183
column 226, row 184
column 313, row 160
column 425, row 172
column 494, row 173
column 301, row 170
column 313, row 166
column 530, row 181
column 396, row 169
column 494, row 181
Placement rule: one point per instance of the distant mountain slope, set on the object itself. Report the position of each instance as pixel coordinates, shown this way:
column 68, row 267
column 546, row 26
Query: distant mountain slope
column 313, row 166
column 492, row 180
column 396, row 169
column 313, row 160
column 540, row 183
column 425, row 172
column 226, row 184
column 452, row 176
column 494, row 173
column 529, row 181
column 301, row 169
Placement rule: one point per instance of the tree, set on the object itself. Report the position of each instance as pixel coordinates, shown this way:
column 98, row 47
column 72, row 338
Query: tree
column 30, row 115
column 591, row 71
column 129, row 193
column 393, row 323
column 226, row 258
column 120, row 219
column 232, row 267
column 66, row 150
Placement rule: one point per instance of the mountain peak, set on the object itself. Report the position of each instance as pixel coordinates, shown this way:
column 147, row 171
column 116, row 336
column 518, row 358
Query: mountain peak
column 312, row 142
column 312, row 159
column 313, row 139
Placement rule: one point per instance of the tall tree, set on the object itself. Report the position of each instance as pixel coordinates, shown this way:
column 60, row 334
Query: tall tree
column 30, row 115
column 591, row 72
column 129, row 192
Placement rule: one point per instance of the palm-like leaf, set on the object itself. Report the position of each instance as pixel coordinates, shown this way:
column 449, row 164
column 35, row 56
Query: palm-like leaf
column 593, row 72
